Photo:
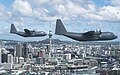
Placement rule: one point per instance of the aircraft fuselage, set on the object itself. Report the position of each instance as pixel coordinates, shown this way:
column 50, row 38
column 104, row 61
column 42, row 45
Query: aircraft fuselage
column 80, row 37
column 35, row 34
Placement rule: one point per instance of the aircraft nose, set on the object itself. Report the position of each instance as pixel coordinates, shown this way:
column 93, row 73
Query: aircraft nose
column 115, row 37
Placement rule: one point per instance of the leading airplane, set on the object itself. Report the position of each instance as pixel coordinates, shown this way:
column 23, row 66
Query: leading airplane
column 27, row 33
column 87, row 36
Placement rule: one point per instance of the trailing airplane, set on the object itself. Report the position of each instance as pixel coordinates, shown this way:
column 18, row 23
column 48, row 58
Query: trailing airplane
column 27, row 33
column 87, row 36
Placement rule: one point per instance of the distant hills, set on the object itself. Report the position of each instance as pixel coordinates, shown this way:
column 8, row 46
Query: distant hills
column 58, row 41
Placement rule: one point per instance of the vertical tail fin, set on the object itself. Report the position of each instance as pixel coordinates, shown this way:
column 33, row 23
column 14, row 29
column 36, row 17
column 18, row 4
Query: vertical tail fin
column 13, row 29
column 60, row 29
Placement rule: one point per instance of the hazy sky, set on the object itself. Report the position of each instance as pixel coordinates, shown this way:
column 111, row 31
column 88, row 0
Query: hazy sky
column 77, row 15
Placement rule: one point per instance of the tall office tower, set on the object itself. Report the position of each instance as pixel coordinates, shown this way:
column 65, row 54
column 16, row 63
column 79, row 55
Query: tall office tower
column 1, row 44
column 30, row 49
column 41, row 53
column 11, row 50
column 40, row 60
column 30, row 56
column 21, row 60
column 47, row 50
column 0, row 56
column 50, row 43
column 15, row 60
column 19, row 50
column 4, row 58
column 10, row 58
column 25, row 50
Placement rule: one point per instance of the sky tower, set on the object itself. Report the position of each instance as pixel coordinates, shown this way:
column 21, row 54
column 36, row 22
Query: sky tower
column 50, row 44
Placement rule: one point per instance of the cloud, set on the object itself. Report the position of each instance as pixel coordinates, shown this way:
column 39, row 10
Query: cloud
column 50, row 10
column 23, row 7
column 48, row 2
column 115, row 2
column 105, row 13
column 27, row 12
column 110, row 13
column 92, row 16
column 92, row 7
column 73, row 8
column 2, row 11
column 40, row 1
column 92, row 23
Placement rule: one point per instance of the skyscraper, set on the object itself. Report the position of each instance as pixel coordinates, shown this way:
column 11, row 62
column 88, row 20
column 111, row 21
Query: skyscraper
column 15, row 60
column 0, row 56
column 4, row 58
column 41, row 53
column 11, row 50
column 19, row 50
column 25, row 51
column 10, row 58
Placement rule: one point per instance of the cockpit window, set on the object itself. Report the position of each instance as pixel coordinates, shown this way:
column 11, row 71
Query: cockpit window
column 111, row 33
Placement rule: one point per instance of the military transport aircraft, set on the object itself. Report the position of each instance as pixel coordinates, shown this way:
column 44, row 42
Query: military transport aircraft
column 27, row 33
column 87, row 36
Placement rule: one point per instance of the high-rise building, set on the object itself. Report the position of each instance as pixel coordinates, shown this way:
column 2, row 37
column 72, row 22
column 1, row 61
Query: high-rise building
column 21, row 60
column 1, row 44
column 4, row 58
column 11, row 51
column 41, row 53
column 30, row 49
column 19, row 50
column 0, row 56
column 10, row 58
column 25, row 50
column 15, row 60
column 30, row 56
column 40, row 60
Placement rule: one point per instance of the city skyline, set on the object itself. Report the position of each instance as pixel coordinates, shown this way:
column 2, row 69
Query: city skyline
column 77, row 15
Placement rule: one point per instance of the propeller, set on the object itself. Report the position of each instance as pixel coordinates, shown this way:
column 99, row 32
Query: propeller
column 98, row 32
column 33, row 30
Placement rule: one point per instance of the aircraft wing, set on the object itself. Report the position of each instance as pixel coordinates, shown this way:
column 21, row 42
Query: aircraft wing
column 89, row 33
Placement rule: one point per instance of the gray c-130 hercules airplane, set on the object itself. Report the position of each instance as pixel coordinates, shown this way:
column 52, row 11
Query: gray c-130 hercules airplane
column 27, row 33
column 87, row 36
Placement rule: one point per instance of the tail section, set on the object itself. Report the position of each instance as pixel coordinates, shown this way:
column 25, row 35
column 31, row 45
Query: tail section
column 13, row 29
column 60, row 29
